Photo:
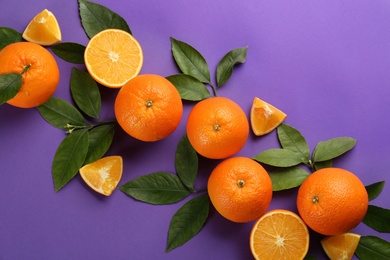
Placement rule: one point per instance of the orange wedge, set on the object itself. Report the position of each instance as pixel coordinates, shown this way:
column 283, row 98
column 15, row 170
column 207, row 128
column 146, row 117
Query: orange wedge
column 279, row 234
column 43, row 29
column 113, row 57
column 340, row 247
column 104, row 174
column 265, row 117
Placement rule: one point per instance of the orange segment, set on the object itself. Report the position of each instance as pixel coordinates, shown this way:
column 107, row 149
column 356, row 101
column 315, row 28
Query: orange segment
column 43, row 29
column 265, row 117
column 104, row 174
column 113, row 57
column 279, row 234
column 340, row 247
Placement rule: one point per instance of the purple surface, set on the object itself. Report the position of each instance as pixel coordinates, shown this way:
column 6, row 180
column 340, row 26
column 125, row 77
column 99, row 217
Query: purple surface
column 325, row 63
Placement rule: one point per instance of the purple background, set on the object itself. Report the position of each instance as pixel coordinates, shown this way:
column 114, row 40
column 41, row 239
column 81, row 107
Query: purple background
column 325, row 63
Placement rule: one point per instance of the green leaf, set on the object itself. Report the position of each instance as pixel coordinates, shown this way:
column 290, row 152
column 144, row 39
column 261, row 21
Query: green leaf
column 190, row 61
column 372, row 247
column 186, row 162
column 310, row 257
column 10, row 85
column 156, row 188
column 287, row 178
column 375, row 189
column 225, row 66
column 96, row 18
column 85, row 92
column 100, row 140
column 324, row 164
column 70, row 52
column 291, row 139
column 189, row 87
column 8, row 36
column 333, row 148
column 278, row 157
column 69, row 158
column 59, row 113
column 188, row 221
column 378, row 218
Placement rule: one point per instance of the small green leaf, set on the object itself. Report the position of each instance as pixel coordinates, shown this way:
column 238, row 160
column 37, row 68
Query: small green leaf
column 324, row 164
column 190, row 61
column 189, row 87
column 332, row 148
column 96, row 18
column 59, row 113
column 372, row 247
column 8, row 36
column 378, row 218
column 186, row 162
column 85, row 92
column 70, row 52
column 69, row 158
column 225, row 66
column 10, row 85
column 156, row 188
column 375, row 189
column 291, row 139
column 188, row 221
column 279, row 157
column 287, row 178
column 100, row 140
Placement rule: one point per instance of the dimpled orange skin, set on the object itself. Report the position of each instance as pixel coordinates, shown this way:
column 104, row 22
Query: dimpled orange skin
column 332, row 201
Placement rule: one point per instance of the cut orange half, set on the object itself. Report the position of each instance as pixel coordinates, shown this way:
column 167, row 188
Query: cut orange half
column 265, row 117
column 43, row 29
column 340, row 247
column 104, row 174
column 279, row 234
column 113, row 57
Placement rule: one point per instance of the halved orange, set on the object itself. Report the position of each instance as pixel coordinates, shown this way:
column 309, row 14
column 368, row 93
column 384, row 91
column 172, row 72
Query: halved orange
column 265, row 117
column 113, row 57
column 43, row 29
column 279, row 234
column 340, row 247
column 104, row 174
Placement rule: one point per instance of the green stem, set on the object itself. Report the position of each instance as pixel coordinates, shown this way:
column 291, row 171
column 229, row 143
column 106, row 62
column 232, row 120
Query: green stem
column 72, row 128
column 26, row 68
column 214, row 89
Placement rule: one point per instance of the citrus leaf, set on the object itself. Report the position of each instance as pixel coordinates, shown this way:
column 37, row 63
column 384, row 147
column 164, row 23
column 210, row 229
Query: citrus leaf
column 188, row 221
column 70, row 52
column 372, row 247
column 225, row 66
column 69, row 158
column 96, row 18
column 59, row 113
column 186, row 163
column 10, row 85
column 100, row 140
column 8, row 36
column 375, row 189
column 156, row 188
column 324, row 164
column 85, row 92
column 291, row 139
column 332, row 148
column 190, row 61
column 189, row 87
column 287, row 178
column 278, row 157
column 378, row 218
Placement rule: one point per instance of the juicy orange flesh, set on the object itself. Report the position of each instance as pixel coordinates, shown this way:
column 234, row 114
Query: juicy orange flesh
column 279, row 235
column 113, row 57
column 43, row 29
column 341, row 247
column 104, row 174
column 265, row 117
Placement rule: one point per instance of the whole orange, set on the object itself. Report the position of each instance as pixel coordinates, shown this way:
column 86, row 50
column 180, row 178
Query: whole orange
column 240, row 189
column 39, row 69
column 148, row 107
column 217, row 127
column 332, row 201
